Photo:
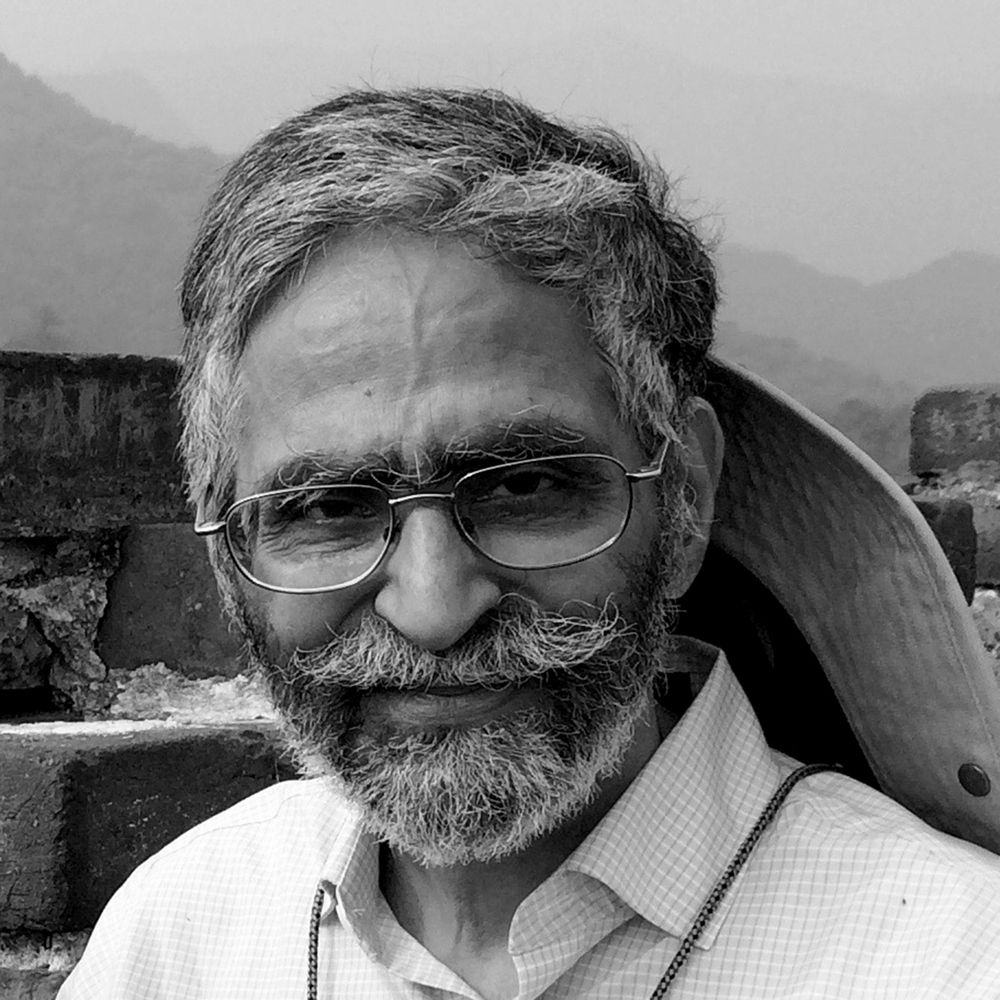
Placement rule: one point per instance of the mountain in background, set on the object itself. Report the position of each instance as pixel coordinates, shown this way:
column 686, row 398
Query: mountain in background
column 851, row 181
column 872, row 411
column 126, row 97
column 97, row 221
column 936, row 326
column 825, row 382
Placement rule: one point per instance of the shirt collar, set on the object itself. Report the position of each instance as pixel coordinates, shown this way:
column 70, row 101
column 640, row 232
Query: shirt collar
column 351, row 867
column 663, row 845
column 665, row 842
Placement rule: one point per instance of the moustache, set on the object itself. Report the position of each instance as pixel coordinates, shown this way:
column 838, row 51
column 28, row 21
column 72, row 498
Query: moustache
column 516, row 644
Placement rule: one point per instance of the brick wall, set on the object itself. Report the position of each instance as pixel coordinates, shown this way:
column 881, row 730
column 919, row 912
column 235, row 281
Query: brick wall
column 106, row 602
column 955, row 459
column 99, row 569
column 955, row 452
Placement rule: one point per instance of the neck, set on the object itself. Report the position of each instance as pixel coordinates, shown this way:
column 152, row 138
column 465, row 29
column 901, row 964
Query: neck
column 462, row 914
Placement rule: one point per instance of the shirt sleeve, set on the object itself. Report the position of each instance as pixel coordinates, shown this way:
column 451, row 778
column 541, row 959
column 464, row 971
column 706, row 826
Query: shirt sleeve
column 130, row 955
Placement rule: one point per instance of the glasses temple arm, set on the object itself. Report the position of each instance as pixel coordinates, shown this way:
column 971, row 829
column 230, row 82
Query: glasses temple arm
column 651, row 471
column 208, row 527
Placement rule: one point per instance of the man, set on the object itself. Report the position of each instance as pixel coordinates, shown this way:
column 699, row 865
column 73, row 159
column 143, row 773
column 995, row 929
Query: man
column 444, row 435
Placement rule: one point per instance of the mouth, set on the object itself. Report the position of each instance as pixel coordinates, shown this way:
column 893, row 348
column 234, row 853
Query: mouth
column 455, row 690
column 445, row 705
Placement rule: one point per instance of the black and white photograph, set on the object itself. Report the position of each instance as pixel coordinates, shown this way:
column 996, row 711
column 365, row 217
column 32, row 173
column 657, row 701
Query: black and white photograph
column 500, row 501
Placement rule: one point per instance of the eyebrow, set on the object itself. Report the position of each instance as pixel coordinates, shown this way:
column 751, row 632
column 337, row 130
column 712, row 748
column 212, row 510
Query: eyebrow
column 436, row 461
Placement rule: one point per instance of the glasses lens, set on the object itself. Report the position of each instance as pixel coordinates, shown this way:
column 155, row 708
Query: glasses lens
column 310, row 538
column 536, row 514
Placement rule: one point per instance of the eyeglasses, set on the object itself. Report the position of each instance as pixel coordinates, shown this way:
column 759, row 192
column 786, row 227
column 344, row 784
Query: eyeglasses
column 535, row 513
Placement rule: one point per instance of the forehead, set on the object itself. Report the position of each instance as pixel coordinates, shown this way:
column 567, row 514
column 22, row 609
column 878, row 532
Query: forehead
column 399, row 342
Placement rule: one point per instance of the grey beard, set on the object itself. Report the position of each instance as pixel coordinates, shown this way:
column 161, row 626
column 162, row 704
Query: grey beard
column 452, row 795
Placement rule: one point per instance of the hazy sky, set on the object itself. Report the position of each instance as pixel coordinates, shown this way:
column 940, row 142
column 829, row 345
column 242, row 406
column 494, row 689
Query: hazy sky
column 744, row 100
column 891, row 45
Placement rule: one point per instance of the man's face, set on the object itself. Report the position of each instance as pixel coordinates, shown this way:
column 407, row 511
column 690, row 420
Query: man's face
column 467, row 707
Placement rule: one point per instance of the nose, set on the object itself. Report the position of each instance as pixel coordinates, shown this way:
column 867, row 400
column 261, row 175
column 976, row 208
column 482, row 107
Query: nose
column 435, row 586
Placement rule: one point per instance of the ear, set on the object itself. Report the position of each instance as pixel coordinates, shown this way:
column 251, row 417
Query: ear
column 703, row 451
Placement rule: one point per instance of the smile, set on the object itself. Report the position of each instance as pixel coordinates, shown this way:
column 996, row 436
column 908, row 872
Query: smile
column 453, row 705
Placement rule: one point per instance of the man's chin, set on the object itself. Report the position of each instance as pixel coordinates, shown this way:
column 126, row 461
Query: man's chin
column 456, row 795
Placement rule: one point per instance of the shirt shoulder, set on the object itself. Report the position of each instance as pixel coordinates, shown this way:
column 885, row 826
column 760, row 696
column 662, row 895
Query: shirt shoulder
column 849, row 894
column 177, row 928
column 847, row 815
column 290, row 817
column 873, row 898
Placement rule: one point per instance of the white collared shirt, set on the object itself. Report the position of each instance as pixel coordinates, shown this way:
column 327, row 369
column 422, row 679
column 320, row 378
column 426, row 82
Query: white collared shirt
column 847, row 895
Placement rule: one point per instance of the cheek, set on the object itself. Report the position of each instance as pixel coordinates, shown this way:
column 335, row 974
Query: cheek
column 294, row 621
column 643, row 536
column 579, row 589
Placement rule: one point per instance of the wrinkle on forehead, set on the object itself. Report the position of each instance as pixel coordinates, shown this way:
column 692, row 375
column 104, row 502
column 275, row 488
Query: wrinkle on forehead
column 371, row 284
column 402, row 343
column 336, row 288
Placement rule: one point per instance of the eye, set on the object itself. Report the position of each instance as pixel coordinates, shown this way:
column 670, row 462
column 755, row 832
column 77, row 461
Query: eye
column 519, row 487
column 325, row 508
column 329, row 507
column 525, row 482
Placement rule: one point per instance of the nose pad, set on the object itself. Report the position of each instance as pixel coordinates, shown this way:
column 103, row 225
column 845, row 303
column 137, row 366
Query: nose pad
column 435, row 586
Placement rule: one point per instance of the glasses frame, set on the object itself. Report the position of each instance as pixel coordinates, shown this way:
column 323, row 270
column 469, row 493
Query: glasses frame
column 642, row 474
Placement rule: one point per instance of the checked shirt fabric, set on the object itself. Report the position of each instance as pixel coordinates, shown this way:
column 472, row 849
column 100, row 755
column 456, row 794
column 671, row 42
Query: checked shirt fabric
column 847, row 895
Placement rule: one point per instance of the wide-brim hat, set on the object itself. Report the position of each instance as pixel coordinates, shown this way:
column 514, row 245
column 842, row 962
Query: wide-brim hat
column 805, row 516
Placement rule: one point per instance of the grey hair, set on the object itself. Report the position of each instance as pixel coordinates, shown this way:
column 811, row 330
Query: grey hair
column 575, row 208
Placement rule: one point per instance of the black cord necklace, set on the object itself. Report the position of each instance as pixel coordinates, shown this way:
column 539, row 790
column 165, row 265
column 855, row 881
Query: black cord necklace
column 727, row 878
column 701, row 920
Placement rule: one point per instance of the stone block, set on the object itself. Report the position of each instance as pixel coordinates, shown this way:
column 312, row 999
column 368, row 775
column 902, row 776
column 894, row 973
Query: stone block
column 950, row 427
column 953, row 526
column 29, row 984
column 163, row 607
column 20, row 558
column 34, row 965
column 978, row 485
column 54, row 588
column 89, row 441
column 82, row 804
column 67, row 611
column 986, row 611
column 988, row 560
column 24, row 653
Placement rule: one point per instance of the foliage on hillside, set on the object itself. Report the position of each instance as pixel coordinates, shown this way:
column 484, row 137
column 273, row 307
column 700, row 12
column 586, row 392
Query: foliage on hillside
column 873, row 413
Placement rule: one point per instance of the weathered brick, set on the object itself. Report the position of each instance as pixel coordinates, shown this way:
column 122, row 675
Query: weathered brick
column 953, row 526
column 19, row 558
column 163, row 607
column 53, row 595
column 978, row 485
column 89, row 441
column 79, row 809
column 950, row 427
column 30, row 984
column 986, row 612
column 988, row 531
column 24, row 653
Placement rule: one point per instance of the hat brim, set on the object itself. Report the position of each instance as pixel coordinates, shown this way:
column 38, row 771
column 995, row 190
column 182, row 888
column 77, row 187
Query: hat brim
column 855, row 565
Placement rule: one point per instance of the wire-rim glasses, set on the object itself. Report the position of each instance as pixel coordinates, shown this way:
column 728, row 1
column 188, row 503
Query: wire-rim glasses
column 532, row 513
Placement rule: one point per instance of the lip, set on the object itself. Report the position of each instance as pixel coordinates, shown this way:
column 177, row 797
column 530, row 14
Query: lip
column 454, row 705
column 458, row 690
